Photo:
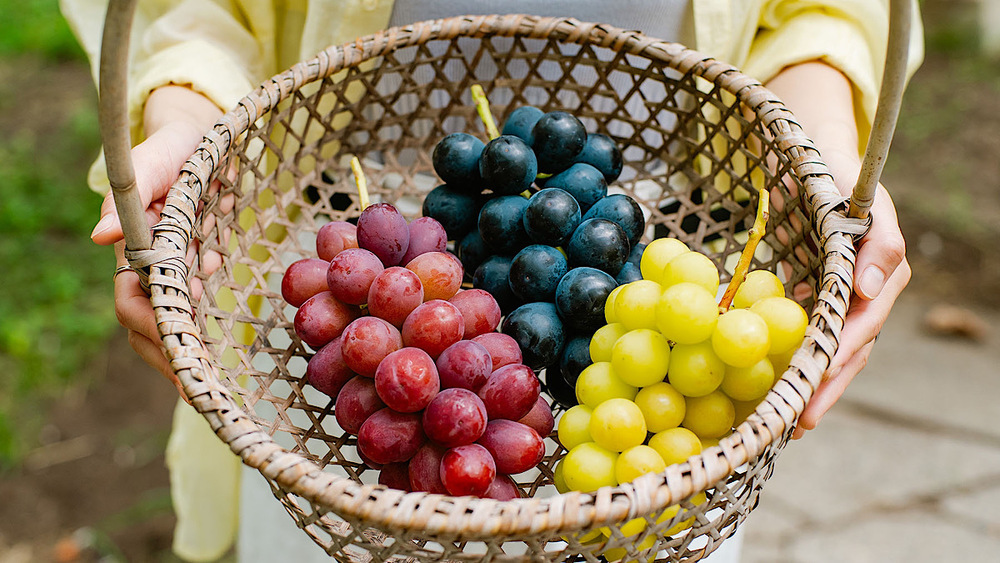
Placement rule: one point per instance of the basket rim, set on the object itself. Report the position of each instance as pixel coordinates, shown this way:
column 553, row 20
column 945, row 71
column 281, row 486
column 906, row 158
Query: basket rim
column 466, row 517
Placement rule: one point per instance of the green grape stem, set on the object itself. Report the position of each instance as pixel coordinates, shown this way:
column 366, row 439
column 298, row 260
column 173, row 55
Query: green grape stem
column 483, row 109
column 755, row 234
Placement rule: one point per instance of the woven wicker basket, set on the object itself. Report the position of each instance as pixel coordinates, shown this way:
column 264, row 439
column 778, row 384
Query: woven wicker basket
column 699, row 137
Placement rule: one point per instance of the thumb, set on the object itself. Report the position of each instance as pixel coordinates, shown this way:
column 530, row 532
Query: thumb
column 157, row 162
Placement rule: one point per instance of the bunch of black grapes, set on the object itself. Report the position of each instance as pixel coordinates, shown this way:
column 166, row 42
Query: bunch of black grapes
column 532, row 220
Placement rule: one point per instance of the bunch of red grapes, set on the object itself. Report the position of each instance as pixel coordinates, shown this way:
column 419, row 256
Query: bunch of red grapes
column 439, row 401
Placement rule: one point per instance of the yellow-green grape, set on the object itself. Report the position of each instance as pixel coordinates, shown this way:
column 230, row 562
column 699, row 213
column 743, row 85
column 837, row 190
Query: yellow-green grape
column 637, row 461
column 741, row 338
column 675, row 445
column 743, row 409
column 756, row 286
column 617, row 425
column 672, row 511
column 588, row 467
column 558, row 479
column 786, row 322
column 631, row 529
column 747, row 384
column 598, row 383
column 695, row 369
column 708, row 443
column 656, row 255
column 635, row 305
column 691, row 267
column 574, row 426
column 641, row 357
column 687, row 313
column 602, row 341
column 662, row 406
column 710, row 416
column 610, row 315
column 780, row 362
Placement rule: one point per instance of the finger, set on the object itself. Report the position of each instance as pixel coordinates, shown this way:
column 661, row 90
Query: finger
column 132, row 306
column 831, row 390
column 881, row 250
column 152, row 354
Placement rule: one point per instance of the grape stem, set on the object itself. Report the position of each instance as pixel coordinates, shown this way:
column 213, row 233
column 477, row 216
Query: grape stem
column 755, row 234
column 483, row 109
column 360, row 181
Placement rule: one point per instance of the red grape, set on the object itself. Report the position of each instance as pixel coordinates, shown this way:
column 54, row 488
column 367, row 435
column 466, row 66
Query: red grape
column 407, row 380
column 503, row 348
column 510, row 392
column 351, row 274
column 480, row 311
column 366, row 461
column 366, row 341
column 540, row 418
column 326, row 370
column 356, row 401
column 433, row 326
column 334, row 237
column 322, row 318
column 455, row 417
column 439, row 272
column 425, row 470
column 395, row 476
column 426, row 235
column 394, row 294
column 389, row 436
column 382, row 230
column 515, row 447
column 502, row 488
column 464, row 364
column 303, row 279
column 467, row 470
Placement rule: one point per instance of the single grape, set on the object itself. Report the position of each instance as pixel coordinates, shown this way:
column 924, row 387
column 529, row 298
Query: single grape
column 326, row 370
column 502, row 488
column 598, row 243
column 574, row 426
column 366, row 341
column 656, row 255
column 582, row 181
column 538, row 331
column 394, row 294
column 465, row 364
column 395, row 476
column 351, row 274
column 636, row 462
column 710, row 416
column 610, row 315
column 440, row 274
column 479, row 309
column 786, row 322
column 454, row 208
column 580, row 298
column 334, row 237
column 743, row 409
column 617, row 424
column 510, row 392
column 472, row 251
column 551, row 216
column 356, row 401
column 749, row 383
column 741, row 338
column 641, row 357
column 598, row 383
column 389, row 436
column 467, row 470
column 515, row 447
column 492, row 277
column 535, row 273
column 501, row 224
column 407, row 380
column 507, row 165
column 601, row 152
column 695, row 369
column 558, row 388
column 456, row 160
column 574, row 359
column 671, row 512
column 781, row 362
column 623, row 210
column 433, row 326
column 604, row 340
column 687, row 313
column 557, row 138
column 426, row 235
column 455, row 417
column 635, row 304
column 424, row 469
column 521, row 121
column 675, row 445
column 303, row 279
column 503, row 349
column 382, row 230
column 322, row 318
column 539, row 418
column 757, row 285
column 691, row 267
column 662, row 406
column 588, row 467
column 558, row 480
column 628, row 274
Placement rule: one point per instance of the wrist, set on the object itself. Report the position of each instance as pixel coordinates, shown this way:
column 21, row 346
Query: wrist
column 180, row 107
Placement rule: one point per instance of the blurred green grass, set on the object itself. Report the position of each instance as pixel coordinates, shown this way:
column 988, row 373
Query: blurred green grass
column 56, row 311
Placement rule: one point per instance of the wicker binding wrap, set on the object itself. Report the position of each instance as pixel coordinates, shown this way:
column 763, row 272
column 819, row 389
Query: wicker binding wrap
column 699, row 137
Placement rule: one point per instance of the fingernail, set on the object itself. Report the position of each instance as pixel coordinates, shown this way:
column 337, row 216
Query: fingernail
column 871, row 282
column 103, row 225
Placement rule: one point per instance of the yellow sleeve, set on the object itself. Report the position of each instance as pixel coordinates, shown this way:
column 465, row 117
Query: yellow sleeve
column 850, row 35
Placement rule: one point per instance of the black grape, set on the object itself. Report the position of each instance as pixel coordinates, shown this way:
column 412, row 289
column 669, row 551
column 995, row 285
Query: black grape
column 491, row 276
column 580, row 298
column 582, row 181
column 507, row 165
column 603, row 154
column 600, row 244
column 575, row 357
column 472, row 251
column 456, row 160
column 551, row 216
column 628, row 274
column 558, row 138
column 535, row 272
column 623, row 210
column 539, row 332
column 456, row 209
column 521, row 121
column 501, row 224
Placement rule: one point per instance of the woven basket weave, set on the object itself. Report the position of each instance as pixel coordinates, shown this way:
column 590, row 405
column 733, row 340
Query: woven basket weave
column 698, row 137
